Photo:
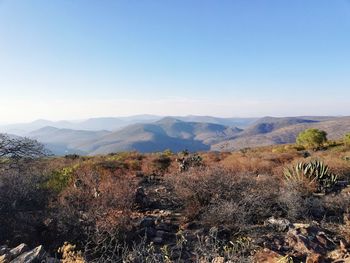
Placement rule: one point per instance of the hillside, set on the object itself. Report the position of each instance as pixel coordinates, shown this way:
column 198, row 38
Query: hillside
column 177, row 135
column 284, row 132
column 168, row 133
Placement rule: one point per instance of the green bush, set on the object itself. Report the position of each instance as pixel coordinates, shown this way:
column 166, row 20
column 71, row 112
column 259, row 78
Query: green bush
column 60, row 179
column 312, row 138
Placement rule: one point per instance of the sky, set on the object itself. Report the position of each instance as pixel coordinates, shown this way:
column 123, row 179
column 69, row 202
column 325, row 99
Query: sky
column 76, row 59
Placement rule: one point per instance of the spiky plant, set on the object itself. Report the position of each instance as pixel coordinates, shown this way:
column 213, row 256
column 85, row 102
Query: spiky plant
column 313, row 172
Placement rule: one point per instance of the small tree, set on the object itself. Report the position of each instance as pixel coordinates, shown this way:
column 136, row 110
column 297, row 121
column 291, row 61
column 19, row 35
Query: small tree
column 312, row 138
column 20, row 148
column 347, row 139
column 21, row 180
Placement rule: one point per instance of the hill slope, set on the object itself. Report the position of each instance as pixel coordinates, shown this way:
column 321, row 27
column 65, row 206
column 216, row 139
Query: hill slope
column 172, row 133
column 168, row 133
column 335, row 128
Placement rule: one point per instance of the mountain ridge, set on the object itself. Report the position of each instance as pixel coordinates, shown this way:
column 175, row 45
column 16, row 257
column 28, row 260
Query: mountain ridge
column 176, row 134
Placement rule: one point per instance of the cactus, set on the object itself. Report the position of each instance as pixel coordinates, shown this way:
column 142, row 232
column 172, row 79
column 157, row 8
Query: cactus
column 314, row 171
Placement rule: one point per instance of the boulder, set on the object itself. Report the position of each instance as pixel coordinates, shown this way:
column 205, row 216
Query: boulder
column 147, row 222
column 309, row 240
column 158, row 240
column 141, row 198
column 280, row 224
column 4, row 249
column 35, row 255
column 20, row 249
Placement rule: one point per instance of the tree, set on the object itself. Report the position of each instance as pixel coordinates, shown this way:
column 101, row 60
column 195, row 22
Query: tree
column 347, row 139
column 16, row 148
column 312, row 138
column 21, row 181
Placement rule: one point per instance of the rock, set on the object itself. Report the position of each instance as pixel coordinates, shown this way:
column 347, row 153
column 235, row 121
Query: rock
column 167, row 227
column 147, row 222
column 218, row 260
column 280, row 224
column 35, row 255
column 5, row 258
column 309, row 240
column 141, row 199
column 158, row 240
column 339, row 253
column 160, row 233
column 20, row 249
column 169, row 236
column 267, row 256
column 4, row 249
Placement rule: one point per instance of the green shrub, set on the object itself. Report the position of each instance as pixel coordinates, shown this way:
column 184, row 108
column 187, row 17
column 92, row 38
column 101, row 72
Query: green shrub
column 168, row 153
column 312, row 138
column 60, row 179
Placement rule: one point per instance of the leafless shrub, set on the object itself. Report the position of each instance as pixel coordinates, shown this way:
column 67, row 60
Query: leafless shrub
column 299, row 203
column 222, row 197
column 100, row 204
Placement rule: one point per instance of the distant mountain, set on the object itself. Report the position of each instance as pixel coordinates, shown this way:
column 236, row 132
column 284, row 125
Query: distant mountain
column 23, row 128
column 64, row 141
column 269, row 124
column 168, row 133
column 116, row 123
column 148, row 133
column 112, row 124
column 232, row 122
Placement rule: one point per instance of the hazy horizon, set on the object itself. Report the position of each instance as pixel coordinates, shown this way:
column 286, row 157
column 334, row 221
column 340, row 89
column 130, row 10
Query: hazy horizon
column 64, row 60
column 165, row 116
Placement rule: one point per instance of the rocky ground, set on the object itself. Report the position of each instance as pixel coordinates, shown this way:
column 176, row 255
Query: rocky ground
column 164, row 226
column 23, row 254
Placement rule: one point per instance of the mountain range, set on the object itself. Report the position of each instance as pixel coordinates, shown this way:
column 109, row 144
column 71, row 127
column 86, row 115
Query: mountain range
column 149, row 133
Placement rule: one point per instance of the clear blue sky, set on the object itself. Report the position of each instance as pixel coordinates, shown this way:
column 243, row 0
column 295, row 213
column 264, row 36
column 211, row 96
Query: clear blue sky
column 71, row 59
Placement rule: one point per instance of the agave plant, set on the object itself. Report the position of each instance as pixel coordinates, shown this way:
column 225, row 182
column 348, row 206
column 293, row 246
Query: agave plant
column 314, row 172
